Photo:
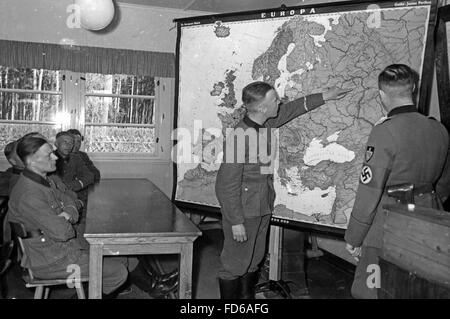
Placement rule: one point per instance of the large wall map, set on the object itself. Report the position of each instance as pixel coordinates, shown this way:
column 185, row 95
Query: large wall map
column 299, row 51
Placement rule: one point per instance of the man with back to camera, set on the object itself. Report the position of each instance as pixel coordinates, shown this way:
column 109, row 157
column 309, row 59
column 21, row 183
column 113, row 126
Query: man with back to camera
column 244, row 187
column 406, row 148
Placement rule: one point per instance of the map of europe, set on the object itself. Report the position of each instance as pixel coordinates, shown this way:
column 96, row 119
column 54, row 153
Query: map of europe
column 321, row 152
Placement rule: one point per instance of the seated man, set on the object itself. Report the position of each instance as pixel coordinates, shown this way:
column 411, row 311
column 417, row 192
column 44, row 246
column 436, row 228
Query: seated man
column 78, row 138
column 70, row 167
column 49, row 215
column 17, row 167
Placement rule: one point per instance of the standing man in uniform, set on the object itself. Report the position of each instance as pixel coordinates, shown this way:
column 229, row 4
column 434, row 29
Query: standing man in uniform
column 244, row 185
column 406, row 148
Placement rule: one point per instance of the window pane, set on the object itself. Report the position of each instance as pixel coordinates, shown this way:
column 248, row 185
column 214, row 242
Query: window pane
column 30, row 79
column 120, row 139
column 119, row 110
column 12, row 131
column 29, row 107
column 120, row 84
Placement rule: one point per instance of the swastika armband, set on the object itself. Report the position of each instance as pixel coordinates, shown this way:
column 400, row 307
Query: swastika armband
column 366, row 175
column 373, row 176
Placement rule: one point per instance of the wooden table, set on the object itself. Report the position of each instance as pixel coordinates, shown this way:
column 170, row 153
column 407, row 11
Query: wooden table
column 131, row 217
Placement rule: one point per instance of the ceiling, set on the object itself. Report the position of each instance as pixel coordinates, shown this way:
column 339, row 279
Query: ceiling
column 217, row 6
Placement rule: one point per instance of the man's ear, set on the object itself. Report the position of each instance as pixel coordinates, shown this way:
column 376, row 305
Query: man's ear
column 12, row 161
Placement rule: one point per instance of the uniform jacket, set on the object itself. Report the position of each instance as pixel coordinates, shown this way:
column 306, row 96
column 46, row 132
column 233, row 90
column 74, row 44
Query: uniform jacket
column 14, row 174
column 408, row 147
column 90, row 165
column 75, row 174
column 36, row 203
column 244, row 187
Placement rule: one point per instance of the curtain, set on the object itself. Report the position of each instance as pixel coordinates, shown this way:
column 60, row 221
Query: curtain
column 86, row 59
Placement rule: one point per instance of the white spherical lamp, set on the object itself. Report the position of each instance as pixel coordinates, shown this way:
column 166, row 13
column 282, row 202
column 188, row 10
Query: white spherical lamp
column 95, row 14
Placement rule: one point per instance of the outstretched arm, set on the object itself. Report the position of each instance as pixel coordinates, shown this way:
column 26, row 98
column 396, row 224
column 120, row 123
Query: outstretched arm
column 297, row 107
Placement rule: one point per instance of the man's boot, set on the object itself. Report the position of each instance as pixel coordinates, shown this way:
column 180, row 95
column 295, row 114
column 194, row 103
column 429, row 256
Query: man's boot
column 147, row 262
column 248, row 283
column 152, row 285
column 162, row 289
column 230, row 289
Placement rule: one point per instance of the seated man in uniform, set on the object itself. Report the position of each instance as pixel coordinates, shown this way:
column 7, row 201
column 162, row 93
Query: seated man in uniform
column 404, row 148
column 48, row 216
column 71, row 168
column 78, row 138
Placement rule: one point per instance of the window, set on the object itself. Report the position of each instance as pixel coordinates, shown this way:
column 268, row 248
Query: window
column 29, row 101
column 120, row 113
column 116, row 113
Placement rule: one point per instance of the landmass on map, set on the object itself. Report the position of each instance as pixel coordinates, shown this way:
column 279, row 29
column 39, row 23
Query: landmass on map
column 198, row 185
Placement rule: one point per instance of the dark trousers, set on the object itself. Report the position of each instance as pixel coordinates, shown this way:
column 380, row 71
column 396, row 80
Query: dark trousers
column 360, row 287
column 236, row 258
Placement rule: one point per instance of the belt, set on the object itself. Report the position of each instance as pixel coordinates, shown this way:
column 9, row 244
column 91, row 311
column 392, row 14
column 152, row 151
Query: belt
column 423, row 189
column 416, row 190
column 34, row 233
column 406, row 192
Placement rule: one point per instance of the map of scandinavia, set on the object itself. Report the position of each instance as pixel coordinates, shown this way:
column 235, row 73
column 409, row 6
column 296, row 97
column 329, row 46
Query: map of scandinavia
column 321, row 152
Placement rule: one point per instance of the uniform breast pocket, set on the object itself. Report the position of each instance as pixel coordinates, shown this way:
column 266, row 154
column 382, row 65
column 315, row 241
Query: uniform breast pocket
column 251, row 200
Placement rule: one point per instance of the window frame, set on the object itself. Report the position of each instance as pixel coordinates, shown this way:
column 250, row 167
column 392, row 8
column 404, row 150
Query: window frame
column 73, row 97
column 61, row 93
column 119, row 155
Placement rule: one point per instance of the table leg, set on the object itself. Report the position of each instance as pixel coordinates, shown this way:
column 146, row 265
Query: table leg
column 275, row 252
column 95, row 271
column 185, row 279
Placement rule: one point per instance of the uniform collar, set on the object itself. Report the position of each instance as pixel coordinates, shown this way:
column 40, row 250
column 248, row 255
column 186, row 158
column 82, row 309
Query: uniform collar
column 35, row 177
column 403, row 109
column 251, row 123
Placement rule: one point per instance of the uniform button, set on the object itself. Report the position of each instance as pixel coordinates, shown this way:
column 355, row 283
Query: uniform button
column 43, row 240
column 245, row 189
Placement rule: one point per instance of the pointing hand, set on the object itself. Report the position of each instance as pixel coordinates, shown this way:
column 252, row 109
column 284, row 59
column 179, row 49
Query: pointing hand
column 335, row 93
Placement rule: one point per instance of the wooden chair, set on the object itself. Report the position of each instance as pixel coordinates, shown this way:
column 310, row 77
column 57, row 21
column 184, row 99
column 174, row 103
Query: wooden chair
column 42, row 285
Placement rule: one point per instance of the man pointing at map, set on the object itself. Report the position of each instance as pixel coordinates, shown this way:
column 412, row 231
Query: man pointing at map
column 405, row 151
column 244, row 184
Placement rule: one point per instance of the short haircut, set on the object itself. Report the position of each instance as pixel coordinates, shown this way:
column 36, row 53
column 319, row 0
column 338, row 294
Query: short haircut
column 63, row 133
column 398, row 79
column 254, row 93
column 28, row 146
column 9, row 149
column 75, row 132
